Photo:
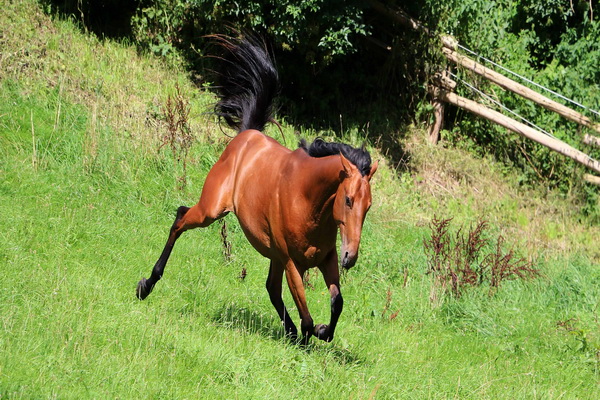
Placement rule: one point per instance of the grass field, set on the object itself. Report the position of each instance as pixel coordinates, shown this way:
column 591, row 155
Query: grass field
column 86, row 200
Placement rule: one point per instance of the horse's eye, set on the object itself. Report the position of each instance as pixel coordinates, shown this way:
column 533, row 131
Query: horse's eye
column 348, row 202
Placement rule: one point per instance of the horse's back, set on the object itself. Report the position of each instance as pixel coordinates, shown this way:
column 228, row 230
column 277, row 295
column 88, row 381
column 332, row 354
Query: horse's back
column 259, row 160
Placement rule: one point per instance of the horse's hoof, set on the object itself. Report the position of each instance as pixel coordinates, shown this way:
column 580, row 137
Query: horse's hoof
column 322, row 332
column 142, row 289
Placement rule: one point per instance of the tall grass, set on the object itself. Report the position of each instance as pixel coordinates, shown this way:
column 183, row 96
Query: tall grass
column 82, row 224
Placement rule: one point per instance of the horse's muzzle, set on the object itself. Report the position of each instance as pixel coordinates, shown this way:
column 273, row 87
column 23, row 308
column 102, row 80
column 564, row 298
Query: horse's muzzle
column 348, row 260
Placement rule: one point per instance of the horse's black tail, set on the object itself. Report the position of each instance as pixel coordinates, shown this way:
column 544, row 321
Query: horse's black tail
column 247, row 83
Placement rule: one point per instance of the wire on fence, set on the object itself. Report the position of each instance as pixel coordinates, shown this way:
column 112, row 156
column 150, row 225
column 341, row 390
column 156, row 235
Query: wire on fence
column 527, row 80
column 496, row 102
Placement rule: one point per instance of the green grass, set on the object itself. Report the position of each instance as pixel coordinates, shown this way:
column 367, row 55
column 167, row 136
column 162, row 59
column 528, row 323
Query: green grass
column 85, row 215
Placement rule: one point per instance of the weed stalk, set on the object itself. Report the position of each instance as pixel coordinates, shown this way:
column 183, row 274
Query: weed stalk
column 460, row 263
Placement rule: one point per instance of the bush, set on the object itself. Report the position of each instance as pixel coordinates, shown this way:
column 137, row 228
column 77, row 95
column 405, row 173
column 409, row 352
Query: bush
column 468, row 259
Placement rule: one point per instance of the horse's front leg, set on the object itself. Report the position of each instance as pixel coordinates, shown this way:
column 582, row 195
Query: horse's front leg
column 294, row 279
column 331, row 275
column 274, row 288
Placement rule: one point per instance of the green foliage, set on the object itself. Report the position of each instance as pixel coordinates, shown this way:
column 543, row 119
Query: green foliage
column 157, row 26
column 315, row 42
column 318, row 29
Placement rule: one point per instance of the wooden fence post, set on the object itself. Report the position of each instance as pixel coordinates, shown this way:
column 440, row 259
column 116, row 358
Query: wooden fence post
column 436, row 126
column 442, row 80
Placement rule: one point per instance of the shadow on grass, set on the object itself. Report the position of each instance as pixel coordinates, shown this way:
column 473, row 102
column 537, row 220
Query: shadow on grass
column 389, row 141
column 241, row 318
column 341, row 355
column 232, row 316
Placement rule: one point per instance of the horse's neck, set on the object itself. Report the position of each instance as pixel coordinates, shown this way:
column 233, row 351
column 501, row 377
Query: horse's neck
column 322, row 184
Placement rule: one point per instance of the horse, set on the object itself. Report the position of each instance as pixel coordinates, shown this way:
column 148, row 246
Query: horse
column 290, row 204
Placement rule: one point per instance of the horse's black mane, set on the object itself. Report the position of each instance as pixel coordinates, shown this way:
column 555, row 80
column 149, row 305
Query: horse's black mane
column 320, row 148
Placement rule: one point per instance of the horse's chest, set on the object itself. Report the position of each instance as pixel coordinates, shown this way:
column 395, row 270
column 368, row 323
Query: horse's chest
column 313, row 250
column 311, row 254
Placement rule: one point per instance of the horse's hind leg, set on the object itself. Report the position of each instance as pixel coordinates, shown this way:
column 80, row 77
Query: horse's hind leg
column 145, row 286
column 274, row 281
column 213, row 204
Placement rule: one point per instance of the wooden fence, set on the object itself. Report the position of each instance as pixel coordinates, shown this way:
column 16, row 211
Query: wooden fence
column 442, row 87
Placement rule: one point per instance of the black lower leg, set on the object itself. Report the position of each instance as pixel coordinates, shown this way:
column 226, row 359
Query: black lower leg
column 308, row 328
column 274, row 289
column 325, row 332
column 145, row 286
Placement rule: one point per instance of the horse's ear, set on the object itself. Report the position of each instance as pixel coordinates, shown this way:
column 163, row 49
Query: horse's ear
column 373, row 169
column 346, row 165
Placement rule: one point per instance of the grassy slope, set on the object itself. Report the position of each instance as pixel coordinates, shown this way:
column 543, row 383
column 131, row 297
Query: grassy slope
column 85, row 214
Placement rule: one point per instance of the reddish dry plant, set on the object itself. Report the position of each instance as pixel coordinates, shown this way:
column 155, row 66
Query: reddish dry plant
column 225, row 241
column 438, row 247
column 178, row 137
column 505, row 267
column 467, row 253
column 439, row 256
column 388, row 304
column 306, row 279
column 458, row 264
column 568, row 324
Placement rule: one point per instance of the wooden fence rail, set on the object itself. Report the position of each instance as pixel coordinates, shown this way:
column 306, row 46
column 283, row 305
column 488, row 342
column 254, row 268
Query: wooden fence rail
column 557, row 145
column 519, row 89
column 515, row 126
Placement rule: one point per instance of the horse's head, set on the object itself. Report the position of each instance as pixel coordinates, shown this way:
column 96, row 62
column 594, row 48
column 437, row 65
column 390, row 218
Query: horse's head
column 352, row 202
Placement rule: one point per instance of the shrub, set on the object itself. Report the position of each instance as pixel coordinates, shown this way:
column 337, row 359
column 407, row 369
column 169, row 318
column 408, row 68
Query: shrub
column 178, row 136
column 466, row 260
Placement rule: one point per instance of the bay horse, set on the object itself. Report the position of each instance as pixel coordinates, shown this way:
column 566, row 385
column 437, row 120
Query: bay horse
column 289, row 204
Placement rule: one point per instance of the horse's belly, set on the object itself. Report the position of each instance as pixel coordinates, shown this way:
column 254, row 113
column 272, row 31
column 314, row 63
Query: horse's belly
column 257, row 233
